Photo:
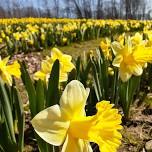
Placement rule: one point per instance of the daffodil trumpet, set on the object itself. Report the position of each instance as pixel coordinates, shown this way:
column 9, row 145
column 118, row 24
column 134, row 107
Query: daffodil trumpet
column 67, row 125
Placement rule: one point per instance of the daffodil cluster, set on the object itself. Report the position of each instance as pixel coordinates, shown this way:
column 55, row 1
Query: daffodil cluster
column 36, row 33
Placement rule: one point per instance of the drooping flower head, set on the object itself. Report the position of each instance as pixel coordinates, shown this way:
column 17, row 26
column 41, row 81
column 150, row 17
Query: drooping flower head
column 130, row 59
column 9, row 70
column 46, row 66
column 68, row 125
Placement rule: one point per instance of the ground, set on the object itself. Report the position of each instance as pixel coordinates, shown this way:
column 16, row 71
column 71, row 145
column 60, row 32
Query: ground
column 137, row 130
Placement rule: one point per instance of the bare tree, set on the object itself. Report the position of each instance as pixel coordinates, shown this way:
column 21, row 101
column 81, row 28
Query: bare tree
column 129, row 9
column 56, row 8
column 87, row 8
column 99, row 9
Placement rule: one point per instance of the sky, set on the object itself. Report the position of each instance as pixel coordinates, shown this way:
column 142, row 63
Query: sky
column 41, row 4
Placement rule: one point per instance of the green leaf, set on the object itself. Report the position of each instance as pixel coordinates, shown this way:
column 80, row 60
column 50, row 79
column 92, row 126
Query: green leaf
column 40, row 96
column 103, row 75
column 21, row 119
column 134, row 84
column 97, row 85
column 5, row 141
column 52, row 96
column 115, row 87
column 127, row 92
column 78, row 62
column 72, row 75
column 7, row 111
column 1, row 148
column 30, row 89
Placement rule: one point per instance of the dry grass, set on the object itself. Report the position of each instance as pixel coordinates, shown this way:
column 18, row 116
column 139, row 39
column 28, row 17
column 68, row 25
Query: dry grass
column 76, row 49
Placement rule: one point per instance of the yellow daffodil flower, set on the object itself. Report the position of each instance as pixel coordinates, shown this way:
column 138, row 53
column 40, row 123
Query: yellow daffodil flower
column 17, row 36
column 7, row 71
column 137, row 39
column 130, row 59
column 64, row 40
column 43, row 37
column 46, row 66
column 121, row 38
column 68, row 125
column 110, row 71
column 149, row 41
column 105, row 46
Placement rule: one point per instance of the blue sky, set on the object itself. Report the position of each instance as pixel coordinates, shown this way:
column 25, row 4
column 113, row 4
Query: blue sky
column 41, row 3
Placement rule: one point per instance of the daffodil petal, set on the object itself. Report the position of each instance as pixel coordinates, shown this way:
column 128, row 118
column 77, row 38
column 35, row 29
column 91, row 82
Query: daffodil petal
column 40, row 75
column 116, row 47
column 66, row 61
column 125, row 76
column 142, row 54
column 117, row 60
column 124, row 73
column 6, row 77
column 135, row 69
column 129, row 46
column 14, row 69
column 5, row 60
column 73, row 99
column 56, row 54
column 46, row 66
column 75, row 145
column 63, row 76
column 50, row 125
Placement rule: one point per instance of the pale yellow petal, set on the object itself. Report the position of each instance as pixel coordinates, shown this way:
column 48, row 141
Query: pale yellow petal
column 46, row 66
column 50, row 125
column 117, row 48
column 75, row 145
column 125, row 76
column 124, row 73
column 117, row 60
column 73, row 99
column 63, row 77
column 135, row 69
column 128, row 46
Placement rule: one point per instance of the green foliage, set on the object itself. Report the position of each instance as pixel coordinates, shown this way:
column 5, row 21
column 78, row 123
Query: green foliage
column 11, row 113
column 42, row 96
column 100, row 76
column 127, row 92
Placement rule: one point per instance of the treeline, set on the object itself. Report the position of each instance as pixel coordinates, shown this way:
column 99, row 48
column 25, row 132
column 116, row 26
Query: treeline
column 100, row 9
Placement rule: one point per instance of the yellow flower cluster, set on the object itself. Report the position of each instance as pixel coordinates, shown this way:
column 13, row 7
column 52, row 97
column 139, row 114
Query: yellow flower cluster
column 35, row 33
